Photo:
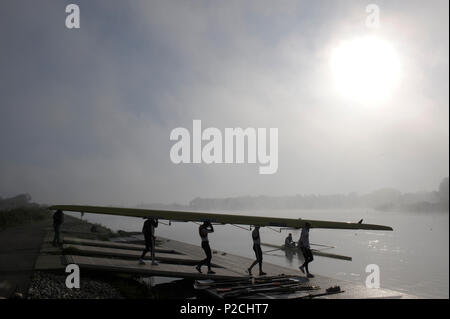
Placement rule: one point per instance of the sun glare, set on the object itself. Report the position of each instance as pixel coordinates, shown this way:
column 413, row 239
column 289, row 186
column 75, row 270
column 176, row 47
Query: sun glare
column 365, row 69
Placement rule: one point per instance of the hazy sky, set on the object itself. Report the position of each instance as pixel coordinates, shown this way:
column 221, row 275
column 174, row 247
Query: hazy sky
column 86, row 114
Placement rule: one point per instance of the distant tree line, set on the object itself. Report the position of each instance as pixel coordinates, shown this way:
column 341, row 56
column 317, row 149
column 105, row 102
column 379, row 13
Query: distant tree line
column 19, row 210
column 386, row 199
column 21, row 200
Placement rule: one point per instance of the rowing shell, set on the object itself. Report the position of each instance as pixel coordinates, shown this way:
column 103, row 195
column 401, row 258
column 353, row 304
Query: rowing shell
column 185, row 216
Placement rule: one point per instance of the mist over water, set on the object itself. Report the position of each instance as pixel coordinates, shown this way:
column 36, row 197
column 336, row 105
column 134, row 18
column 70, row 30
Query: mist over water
column 412, row 259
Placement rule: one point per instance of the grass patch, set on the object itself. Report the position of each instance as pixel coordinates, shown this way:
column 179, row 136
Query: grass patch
column 24, row 215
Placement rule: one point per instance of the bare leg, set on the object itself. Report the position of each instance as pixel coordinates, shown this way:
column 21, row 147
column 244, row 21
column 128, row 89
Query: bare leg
column 143, row 253
column 154, row 262
column 251, row 267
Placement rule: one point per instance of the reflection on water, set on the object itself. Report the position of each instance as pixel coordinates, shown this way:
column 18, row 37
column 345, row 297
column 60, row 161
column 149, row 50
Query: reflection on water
column 413, row 258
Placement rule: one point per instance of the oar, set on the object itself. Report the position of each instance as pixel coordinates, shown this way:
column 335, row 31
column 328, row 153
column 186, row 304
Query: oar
column 335, row 256
column 245, row 280
column 287, row 289
column 320, row 245
column 269, row 251
column 321, row 249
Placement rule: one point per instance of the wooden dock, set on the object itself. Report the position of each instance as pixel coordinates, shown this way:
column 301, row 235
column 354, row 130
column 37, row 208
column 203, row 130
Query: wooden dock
column 177, row 259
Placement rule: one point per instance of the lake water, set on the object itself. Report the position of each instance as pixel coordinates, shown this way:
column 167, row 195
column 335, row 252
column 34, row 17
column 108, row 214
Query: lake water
column 414, row 258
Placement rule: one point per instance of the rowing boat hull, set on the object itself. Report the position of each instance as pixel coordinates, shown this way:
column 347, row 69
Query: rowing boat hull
column 186, row 216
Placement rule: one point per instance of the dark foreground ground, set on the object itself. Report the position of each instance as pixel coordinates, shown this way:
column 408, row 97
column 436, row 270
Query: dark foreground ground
column 19, row 248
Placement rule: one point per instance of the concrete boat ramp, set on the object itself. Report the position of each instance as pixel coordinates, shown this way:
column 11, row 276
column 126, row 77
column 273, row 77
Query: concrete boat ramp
column 177, row 260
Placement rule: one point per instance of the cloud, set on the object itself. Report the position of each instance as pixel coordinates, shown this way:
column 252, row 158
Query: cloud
column 86, row 114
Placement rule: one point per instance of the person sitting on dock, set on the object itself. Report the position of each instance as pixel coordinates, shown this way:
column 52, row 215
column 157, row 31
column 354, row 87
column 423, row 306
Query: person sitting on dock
column 288, row 242
column 58, row 219
column 258, row 252
column 303, row 243
column 204, row 230
column 149, row 234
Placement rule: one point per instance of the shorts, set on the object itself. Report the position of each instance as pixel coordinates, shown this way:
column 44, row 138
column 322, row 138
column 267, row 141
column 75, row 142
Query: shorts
column 149, row 243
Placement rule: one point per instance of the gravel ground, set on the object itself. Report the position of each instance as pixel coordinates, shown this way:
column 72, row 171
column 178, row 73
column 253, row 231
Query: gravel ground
column 50, row 286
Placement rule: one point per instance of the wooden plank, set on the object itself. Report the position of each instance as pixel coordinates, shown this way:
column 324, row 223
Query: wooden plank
column 109, row 244
column 236, row 263
column 130, row 254
column 164, row 270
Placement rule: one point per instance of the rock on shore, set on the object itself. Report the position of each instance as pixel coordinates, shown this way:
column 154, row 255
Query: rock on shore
column 51, row 286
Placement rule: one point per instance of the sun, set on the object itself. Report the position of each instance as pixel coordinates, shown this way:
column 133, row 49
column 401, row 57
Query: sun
column 365, row 69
